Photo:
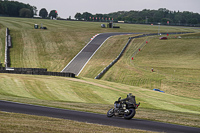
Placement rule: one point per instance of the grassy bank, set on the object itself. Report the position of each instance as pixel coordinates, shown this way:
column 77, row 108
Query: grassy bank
column 97, row 96
column 175, row 63
column 11, row 122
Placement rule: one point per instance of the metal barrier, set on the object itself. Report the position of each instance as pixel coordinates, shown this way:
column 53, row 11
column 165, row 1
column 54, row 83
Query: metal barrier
column 6, row 49
column 7, row 46
column 34, row 71
column 114, row 61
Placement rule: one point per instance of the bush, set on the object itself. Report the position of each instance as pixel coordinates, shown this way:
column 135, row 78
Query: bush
column 25, row 12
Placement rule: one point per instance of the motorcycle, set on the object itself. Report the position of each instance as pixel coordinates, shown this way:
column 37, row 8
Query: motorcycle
column 123, row 109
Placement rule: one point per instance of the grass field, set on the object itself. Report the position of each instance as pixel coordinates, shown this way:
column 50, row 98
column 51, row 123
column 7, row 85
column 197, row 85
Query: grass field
column 11, row 122
column 97, row 96
column 175, row 62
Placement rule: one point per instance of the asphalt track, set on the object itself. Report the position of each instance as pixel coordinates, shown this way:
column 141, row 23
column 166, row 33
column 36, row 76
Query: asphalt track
column 80, row 60
column 94, row 118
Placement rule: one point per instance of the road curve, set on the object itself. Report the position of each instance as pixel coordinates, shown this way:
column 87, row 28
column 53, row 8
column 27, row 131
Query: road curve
column 80, row 60
column 94, row 118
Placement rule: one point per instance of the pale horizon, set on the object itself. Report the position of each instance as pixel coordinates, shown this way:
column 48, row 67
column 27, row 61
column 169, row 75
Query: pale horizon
column 68, row 8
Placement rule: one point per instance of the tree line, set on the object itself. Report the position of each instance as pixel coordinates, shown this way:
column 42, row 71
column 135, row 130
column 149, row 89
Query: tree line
column 16, row 9
column 44, row 13
column 162, row 15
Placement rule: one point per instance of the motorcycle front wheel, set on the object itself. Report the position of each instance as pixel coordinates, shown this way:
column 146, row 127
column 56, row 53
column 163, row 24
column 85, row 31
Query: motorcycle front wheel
column 110, row 113
column 130, row 115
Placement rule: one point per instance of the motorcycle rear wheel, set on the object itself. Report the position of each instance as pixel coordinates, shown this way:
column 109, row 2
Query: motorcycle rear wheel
column 130, row 115
column 110, row 113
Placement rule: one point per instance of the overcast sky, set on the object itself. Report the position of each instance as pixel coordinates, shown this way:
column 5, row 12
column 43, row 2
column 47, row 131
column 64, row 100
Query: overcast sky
column 68, row 8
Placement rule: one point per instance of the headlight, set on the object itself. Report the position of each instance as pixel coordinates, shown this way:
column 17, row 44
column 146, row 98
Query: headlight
column 124, row 106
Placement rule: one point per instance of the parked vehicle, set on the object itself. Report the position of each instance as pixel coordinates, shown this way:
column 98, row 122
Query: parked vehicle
column 124, row 108
column 163, row 38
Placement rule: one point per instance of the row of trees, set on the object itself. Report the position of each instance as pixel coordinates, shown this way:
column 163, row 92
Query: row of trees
column 16, row 9
column 44, row 13
column 88, row 16
column 161, row 15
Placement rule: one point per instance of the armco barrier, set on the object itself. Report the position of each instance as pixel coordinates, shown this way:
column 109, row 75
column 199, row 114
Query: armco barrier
column 34, row 71
column 31, row 69
column 7, row 46
column 9, row 41
column 114, row 61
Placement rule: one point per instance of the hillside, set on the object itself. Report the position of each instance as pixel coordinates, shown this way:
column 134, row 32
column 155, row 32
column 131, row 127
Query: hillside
column 175, row 63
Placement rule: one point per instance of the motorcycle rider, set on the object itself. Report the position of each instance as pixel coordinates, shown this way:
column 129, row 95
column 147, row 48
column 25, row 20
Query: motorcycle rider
column 130, row 99
column 124, row 107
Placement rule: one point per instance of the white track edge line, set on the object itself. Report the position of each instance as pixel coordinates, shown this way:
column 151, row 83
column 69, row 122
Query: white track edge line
column 79, row 53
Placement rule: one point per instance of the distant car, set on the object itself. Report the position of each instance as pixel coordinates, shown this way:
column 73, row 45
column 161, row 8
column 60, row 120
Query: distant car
column 163, row 38
column 158, row 90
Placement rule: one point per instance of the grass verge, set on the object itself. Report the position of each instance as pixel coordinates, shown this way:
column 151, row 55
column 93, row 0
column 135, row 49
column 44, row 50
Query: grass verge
column 12, row 122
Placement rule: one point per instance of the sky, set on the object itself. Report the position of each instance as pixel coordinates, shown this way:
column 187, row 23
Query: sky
column 66, row 8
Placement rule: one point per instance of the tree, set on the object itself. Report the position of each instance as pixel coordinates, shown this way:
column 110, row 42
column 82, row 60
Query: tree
column 43, row 13
column 25, row 12
column 194, row 21
column 53, row 14
column 86, row 15
column 34, row 10
column 78, row 16
column 165, row 20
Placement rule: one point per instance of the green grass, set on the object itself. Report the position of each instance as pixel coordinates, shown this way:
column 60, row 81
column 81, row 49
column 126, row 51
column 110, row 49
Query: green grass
column 11, row 122
column 2, row 43
column 96, row 96
column 175, row 62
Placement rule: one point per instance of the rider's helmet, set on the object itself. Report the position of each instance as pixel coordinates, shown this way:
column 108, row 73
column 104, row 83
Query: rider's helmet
column 129, row 95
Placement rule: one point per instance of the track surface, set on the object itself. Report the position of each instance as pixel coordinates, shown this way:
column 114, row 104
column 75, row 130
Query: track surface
column 80, row 60
column 94, row 118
